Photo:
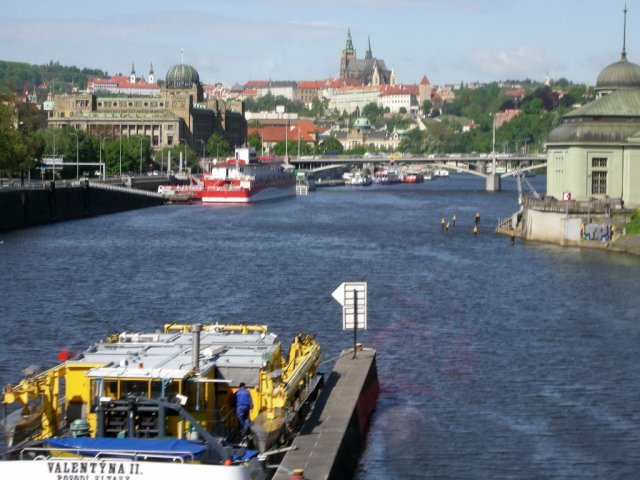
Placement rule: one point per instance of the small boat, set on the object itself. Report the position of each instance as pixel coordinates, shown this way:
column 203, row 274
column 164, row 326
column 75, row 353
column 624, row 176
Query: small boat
column 159, row 406
column 244, row 178
column 358, row 179
column 441, row 172
column 412, row 177
column 386, row 176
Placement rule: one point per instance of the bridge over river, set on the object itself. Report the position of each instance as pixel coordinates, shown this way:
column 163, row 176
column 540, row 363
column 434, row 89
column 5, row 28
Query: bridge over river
column 482, row 165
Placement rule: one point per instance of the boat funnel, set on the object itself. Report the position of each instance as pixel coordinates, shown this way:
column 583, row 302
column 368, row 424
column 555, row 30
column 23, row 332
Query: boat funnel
column 195, row 346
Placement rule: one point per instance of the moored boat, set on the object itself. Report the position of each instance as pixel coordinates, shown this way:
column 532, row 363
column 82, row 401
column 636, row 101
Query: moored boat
column 441, row 172
column 159, row 406
column 359, row 179
column 245, row 178
column 386, row 176
column 412, row 177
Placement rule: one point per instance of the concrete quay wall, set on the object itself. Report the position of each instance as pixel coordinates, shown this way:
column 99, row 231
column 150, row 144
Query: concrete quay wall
column 331, row 440
column 22, row 208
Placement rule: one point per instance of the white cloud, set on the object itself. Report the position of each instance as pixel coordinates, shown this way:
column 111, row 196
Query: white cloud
column 518, row 63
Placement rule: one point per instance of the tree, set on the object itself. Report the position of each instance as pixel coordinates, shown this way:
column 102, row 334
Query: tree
column 255, row 140
column 534, row 106
column 18, row 149
column 330, row 145
column 426, row 107
column 218, row 146
column 373, row 112
column 136, row 154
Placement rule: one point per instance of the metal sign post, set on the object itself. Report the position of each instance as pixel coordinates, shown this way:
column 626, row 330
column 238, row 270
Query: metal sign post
column 353, row 298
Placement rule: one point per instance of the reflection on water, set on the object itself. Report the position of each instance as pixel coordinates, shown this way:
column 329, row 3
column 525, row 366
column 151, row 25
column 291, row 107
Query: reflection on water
column 494, row 361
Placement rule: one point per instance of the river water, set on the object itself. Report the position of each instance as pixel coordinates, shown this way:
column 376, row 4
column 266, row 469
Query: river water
column 495, row 361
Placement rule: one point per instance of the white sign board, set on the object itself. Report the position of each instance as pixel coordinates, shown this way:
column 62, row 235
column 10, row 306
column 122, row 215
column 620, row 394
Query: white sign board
column 353, row 298
column 566, row 196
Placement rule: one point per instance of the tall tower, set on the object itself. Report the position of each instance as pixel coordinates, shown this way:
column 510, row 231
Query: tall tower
column 348, row 54
column 132, row 76
column 369, row 54
column 151, row 76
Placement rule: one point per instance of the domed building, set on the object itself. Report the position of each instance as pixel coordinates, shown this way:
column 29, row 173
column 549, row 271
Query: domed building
column 594, row 155
column 184, row 78
column 179, row 114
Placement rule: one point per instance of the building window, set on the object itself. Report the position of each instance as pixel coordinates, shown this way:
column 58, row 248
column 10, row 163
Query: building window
column 599, row 183
column 597, row 162
column 169, row 140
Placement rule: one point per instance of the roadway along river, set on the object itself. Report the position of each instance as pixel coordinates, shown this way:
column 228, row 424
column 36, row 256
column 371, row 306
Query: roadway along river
column 495, row 361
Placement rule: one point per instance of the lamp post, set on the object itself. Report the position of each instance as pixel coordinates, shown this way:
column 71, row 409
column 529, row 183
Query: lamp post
column 101, row 146
column 141, row 155
column 120, row 128
column 77, row 155
column 203, row 152
column 53, row 166
column 183, row 162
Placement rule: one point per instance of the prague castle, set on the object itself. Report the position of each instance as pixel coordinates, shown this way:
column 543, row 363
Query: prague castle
column 367, row 71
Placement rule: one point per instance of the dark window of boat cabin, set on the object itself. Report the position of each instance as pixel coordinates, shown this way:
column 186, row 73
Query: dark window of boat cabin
column 111, row 389
column 170, row 389
column 134, row 388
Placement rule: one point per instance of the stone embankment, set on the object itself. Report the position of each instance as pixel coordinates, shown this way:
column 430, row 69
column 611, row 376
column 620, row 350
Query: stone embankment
column 57, row 202
column 597, row 224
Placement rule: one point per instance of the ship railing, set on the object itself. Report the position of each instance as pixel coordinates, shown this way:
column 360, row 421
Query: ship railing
column 45, row 453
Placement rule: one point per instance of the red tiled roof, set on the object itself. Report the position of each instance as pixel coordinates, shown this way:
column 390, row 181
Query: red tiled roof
column 400, row 90
column 425, row 81
column 256, row 83
column 517, row 92
column 273, row 134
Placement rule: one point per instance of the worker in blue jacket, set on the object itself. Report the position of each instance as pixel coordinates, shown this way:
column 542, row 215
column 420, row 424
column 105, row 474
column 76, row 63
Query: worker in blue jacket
column 244, row 405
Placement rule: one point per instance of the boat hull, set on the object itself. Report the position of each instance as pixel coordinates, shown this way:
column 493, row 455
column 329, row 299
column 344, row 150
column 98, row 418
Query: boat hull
column 91, row 469
column 247, row 196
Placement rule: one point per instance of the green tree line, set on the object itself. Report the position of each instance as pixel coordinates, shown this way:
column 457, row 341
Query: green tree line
column 60, row 78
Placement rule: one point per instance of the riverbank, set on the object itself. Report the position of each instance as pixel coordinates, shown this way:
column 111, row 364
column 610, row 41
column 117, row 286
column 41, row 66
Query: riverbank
column 61, row 201
column 598, row 224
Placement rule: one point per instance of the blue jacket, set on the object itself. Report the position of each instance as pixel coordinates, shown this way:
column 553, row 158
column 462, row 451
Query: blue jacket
column 243, row 398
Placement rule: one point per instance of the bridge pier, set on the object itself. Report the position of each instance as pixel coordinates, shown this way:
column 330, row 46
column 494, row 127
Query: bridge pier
column 493, row 183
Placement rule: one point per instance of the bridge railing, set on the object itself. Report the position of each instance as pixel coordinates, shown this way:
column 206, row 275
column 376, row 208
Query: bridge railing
column 116, row 188
column 551, row 204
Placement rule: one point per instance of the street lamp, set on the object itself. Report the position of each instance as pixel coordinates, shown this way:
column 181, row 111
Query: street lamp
column 101, row 146
column 184, row 160
column 120, row 128
column 53, row 166
column 77, row 155
column 140, row 155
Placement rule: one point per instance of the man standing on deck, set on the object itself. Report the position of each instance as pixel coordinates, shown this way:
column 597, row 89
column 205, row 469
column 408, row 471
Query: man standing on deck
column 244, row 405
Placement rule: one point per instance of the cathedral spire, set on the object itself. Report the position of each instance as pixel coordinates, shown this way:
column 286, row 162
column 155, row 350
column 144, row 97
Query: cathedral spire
column 348, row 48
column 624, row 35
column 369, row 54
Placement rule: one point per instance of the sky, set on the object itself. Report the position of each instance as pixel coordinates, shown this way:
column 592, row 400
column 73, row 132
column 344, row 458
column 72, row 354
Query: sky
column 234, row 41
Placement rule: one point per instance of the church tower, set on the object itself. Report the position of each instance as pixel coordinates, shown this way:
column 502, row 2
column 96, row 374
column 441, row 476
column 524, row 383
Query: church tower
column 369, row 54
column 132, row 77
column 151, row 76
column 348, row 54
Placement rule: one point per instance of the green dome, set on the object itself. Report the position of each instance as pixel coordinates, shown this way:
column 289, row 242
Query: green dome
column 182, row 76
column 622, row 74
column 362, row 122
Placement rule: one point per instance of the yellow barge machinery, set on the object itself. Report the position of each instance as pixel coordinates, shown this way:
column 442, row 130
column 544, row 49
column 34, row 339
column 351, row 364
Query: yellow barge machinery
column 156, row 401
